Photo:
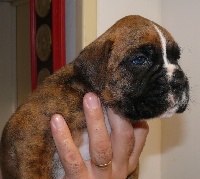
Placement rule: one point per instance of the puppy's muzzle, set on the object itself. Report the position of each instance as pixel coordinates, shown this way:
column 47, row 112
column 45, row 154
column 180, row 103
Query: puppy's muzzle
column 178, row 96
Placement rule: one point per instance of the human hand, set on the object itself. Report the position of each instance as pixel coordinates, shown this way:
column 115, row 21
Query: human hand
column 120, row 150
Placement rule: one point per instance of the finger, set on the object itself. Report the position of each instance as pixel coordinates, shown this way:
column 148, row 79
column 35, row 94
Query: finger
column 100, row 144
column 122, row 137
column 69, row 154
column 141, row 130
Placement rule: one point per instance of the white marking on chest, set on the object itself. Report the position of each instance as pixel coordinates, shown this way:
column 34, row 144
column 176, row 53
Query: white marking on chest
column 169, row 67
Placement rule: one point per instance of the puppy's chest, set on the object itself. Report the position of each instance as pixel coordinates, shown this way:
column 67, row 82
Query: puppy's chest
column 57, row 169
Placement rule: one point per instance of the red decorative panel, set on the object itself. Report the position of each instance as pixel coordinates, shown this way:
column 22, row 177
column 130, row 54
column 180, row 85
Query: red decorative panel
column 58, row 14
column 47, row 26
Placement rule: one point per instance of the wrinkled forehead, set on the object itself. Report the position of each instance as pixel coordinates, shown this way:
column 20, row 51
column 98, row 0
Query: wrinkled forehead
column 132, row 36
column 141, row 34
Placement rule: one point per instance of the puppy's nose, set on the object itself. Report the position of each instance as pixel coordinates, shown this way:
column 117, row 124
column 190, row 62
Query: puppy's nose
column 178, row 80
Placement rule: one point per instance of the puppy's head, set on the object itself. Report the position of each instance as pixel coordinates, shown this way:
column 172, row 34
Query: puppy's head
column 134, row 67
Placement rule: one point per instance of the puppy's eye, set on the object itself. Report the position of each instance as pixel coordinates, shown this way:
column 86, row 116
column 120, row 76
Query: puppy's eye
column 141, row 60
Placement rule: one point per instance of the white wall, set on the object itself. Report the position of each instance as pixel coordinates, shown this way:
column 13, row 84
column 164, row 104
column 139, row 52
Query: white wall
column 70, row 23
column 15, row 67
column 110, row 11
column 107, row 13
column 23, row 51
column 81, row 28
column 180, row 135
column 7, row 63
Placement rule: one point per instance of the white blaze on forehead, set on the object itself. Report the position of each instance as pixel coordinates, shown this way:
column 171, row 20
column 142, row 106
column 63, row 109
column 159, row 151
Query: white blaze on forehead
column 170, row 67
column 164, row 44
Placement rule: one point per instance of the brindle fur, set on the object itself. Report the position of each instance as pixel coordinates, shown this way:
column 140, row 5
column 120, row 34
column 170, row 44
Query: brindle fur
column 27, row 146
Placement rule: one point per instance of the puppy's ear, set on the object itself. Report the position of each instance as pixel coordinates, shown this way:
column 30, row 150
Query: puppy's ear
column 91, row 65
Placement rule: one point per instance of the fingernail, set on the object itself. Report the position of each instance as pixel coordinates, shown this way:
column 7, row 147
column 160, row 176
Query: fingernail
column 58, row 122
column 92, row 101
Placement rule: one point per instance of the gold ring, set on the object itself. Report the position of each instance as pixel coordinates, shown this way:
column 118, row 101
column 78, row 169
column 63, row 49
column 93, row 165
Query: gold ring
column 102, row 166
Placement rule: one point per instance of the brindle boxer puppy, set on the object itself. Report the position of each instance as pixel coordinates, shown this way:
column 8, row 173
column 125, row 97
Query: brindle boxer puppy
column 133, row 67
